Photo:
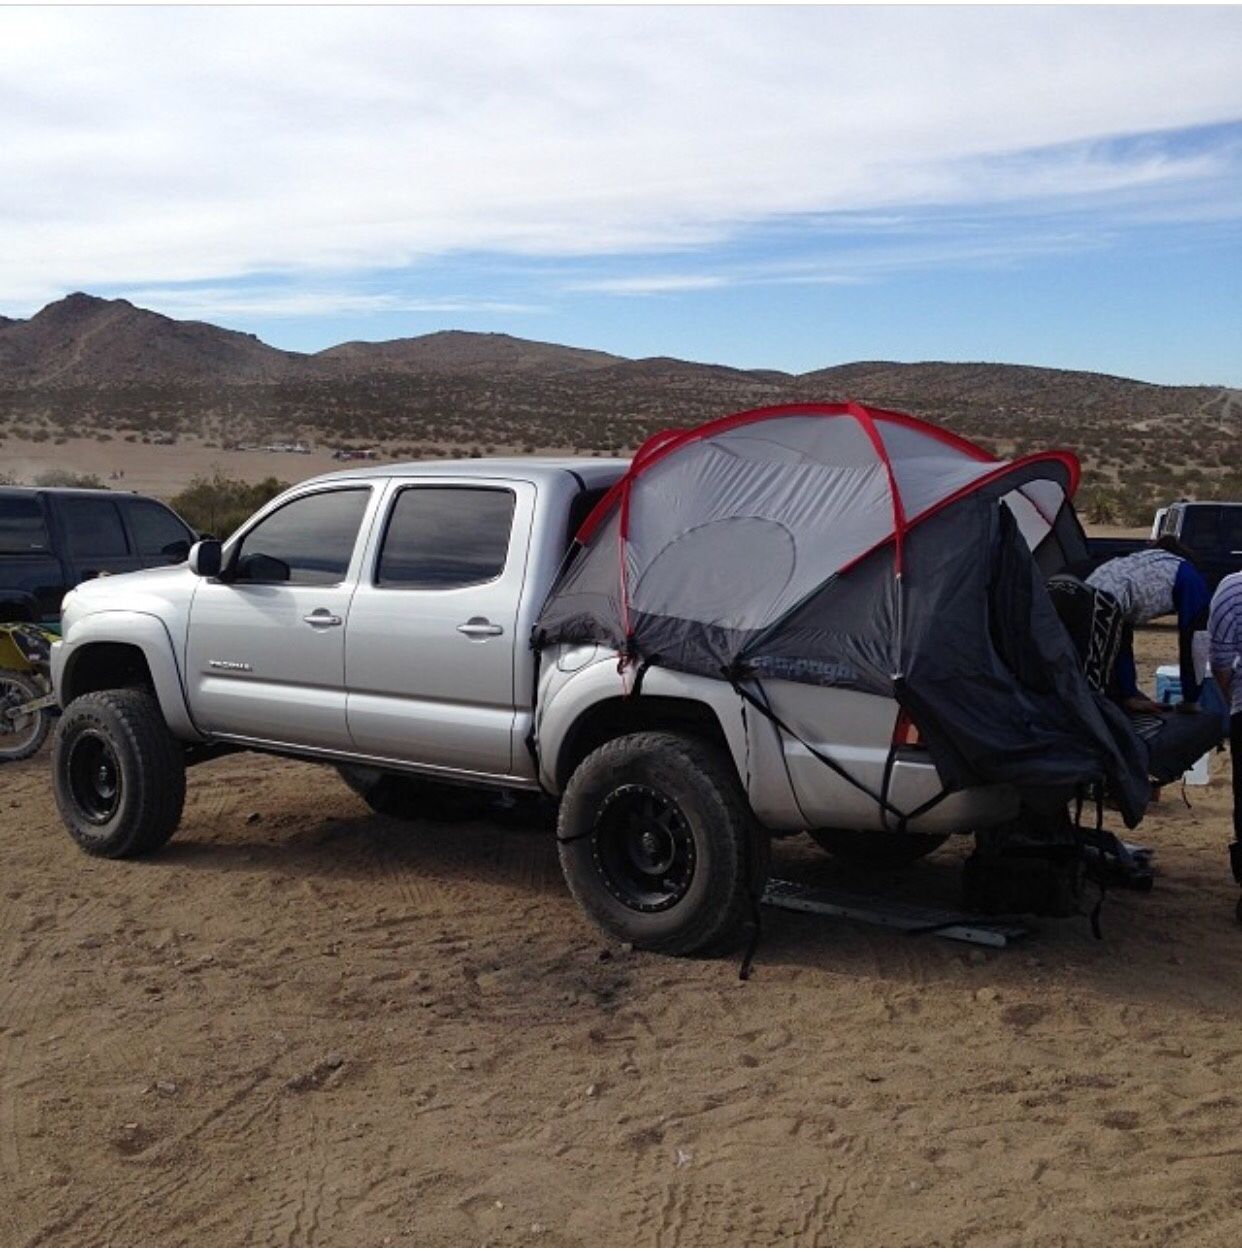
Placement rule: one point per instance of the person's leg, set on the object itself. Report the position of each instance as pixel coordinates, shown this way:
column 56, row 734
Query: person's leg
column 1124, row 689
column 1127, row 672
column 1235, row 753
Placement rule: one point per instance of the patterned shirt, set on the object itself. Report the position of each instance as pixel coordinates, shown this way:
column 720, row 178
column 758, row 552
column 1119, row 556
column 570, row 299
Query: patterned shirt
column 1141, row 582
column 1225, row 634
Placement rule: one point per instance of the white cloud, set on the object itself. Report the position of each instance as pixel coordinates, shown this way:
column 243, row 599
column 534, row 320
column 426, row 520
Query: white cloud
column 147, row 146
column 648, row 285
column 260, row 302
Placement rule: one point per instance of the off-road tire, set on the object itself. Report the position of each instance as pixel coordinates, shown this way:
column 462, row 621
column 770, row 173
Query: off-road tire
column 126, row 727
column 878, row 851
column 23, row 688
column 730, row 853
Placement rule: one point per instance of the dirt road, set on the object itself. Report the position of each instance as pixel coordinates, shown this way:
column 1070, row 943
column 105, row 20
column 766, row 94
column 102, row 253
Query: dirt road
column 304, row 1024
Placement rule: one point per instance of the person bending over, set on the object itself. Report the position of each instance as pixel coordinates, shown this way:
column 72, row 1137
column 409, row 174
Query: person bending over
column 1159, row 580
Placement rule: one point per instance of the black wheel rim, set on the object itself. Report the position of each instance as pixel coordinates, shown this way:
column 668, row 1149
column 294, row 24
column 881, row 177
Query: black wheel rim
column 644, row 848
column 94, row 777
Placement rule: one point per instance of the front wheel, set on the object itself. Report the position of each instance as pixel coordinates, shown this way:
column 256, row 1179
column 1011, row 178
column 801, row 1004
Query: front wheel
column 658, row 845
column 21, row 735
column 118, row 773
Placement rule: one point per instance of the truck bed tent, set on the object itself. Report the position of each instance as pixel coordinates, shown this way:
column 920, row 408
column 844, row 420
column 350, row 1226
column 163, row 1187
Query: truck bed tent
column 843, row 545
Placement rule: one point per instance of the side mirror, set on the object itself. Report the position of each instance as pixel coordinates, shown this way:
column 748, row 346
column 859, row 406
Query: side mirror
column 205, row 557
column 262, row 568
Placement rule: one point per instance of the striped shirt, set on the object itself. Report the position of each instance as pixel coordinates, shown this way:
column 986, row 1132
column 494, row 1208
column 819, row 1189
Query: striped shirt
column 1225, row 634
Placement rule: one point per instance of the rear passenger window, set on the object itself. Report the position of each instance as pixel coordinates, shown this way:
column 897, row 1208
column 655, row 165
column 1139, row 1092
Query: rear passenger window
column 22, row 529
column 446, row 537
column 156, row 529
column 93, row 527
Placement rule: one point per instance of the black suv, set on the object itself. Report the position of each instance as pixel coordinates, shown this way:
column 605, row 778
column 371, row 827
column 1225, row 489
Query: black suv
column 1213, row 529
column 54, row 538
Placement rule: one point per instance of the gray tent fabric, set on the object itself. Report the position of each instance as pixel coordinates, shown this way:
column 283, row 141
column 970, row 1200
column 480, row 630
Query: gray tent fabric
column 848, row 546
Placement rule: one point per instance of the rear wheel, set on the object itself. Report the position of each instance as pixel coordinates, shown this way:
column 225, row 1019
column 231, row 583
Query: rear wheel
column 21, row 735
column 118, row 774
column 878, row 850
column 658, row 845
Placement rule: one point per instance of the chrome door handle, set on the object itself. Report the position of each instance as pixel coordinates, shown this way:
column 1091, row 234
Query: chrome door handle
column 478, row 628
column 322, row 618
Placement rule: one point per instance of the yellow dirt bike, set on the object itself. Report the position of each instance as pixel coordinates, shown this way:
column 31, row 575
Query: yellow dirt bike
column 27, row 703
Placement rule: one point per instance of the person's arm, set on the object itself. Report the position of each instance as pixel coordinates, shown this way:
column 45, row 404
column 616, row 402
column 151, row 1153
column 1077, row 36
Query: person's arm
column 1224, row 679
column 1190, row 599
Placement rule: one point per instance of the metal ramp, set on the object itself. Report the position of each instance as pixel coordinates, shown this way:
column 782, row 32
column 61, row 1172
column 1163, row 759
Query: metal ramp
column 904, row 917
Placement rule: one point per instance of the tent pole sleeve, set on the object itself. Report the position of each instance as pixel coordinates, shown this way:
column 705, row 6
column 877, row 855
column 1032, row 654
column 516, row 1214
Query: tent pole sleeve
column 900, row 526
column 623, row 532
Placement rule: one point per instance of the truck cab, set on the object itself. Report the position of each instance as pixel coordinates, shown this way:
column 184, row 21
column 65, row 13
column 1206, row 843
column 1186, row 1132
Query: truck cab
column 386, row 615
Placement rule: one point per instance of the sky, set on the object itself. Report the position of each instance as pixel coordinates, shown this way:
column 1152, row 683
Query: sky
column 779, row 187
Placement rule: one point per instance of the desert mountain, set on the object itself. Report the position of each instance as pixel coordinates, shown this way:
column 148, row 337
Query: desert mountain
column 453, row 352
column 86, row 341
column 84, row 365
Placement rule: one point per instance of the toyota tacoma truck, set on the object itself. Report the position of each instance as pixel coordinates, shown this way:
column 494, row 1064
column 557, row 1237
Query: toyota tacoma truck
column 379, row 620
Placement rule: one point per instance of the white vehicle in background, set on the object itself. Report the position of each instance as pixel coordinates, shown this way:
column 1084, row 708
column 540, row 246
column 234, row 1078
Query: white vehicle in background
column 379, row 619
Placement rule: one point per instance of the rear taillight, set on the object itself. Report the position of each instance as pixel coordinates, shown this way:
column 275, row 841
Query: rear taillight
column 905, row 731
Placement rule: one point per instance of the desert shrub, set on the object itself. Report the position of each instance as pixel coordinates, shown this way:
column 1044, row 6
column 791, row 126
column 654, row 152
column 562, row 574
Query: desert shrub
column 220, row 505
column 67, row 479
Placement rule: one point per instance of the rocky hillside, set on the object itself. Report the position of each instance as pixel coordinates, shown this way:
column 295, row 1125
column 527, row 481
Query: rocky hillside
column 84, row 365
column 83, row 341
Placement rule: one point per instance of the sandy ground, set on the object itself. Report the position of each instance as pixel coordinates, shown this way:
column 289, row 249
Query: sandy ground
column 162, row 470
column 304, row 1024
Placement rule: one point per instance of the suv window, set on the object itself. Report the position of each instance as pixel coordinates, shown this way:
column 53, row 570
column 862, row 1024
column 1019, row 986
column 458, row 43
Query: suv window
column 1201, row 528
column 446, row 537
column 308, row 541
column 157, row 530
column 1232, row 529
column 22, row 529
column 93, row 527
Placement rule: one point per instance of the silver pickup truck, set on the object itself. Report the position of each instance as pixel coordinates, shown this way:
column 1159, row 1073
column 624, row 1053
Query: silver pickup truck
column 380, row 620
